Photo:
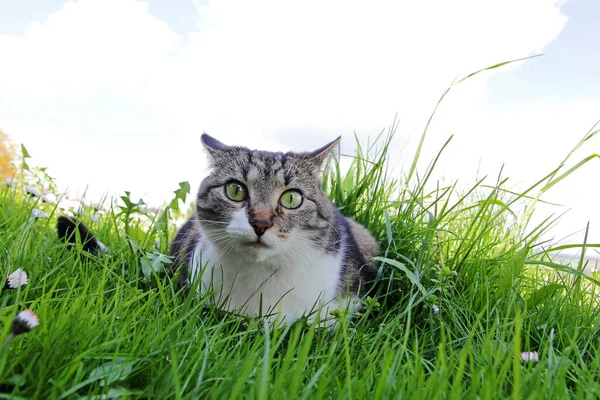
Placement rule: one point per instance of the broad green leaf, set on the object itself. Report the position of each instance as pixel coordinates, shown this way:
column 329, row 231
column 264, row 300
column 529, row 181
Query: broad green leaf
column 146, row 269
column 24, row 152
column 543, row 294
column 17, row 380
column 112, row 371
column 513, row 269
column 180, row 194
column 154, row 262
column 115, row 393
column 130, row 207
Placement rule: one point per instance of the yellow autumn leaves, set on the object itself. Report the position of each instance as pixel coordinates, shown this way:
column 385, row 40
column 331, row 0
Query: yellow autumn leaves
column 7, row 156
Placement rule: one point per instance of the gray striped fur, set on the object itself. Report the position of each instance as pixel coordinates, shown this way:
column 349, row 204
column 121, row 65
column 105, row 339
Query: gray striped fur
column 266, row 175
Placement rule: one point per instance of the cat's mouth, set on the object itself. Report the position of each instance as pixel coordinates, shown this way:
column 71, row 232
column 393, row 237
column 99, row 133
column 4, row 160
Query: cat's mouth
column 258, row 244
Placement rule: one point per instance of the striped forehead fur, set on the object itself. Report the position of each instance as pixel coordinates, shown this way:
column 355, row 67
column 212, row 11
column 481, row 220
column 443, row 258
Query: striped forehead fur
column 241, row 161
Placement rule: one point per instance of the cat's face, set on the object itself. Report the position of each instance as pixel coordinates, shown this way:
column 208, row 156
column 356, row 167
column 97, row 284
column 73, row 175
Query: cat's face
column 262, row 205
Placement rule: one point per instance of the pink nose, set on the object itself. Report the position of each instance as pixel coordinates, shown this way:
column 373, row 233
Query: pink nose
column 260, row 225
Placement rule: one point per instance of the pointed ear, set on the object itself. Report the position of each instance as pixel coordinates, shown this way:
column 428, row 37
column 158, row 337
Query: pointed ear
column 212, row 144
column 213, row 147
column 320, row 155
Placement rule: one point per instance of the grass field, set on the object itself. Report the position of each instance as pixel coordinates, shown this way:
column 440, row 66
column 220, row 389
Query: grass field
column 466, row 287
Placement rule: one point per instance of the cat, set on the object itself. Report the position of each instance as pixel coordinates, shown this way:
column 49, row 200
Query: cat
column 266, row 240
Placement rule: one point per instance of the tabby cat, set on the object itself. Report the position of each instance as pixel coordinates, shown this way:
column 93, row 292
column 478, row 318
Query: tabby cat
column 266, row 240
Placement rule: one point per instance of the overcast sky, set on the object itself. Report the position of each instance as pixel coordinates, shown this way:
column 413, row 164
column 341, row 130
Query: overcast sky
column 115, row 93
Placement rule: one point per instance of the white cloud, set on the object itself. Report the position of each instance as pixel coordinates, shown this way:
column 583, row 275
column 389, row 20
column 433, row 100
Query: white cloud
column 88, row 45
column 276, row 75
column 271, row 65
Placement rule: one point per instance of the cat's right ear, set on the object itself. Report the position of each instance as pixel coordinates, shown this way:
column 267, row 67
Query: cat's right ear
column 319, row 156
column 213, row 146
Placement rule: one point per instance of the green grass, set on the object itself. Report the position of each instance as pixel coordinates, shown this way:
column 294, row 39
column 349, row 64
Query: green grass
column 113, row 326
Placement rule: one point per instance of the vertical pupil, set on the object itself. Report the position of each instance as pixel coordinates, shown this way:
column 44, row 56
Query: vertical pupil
column 234, row 191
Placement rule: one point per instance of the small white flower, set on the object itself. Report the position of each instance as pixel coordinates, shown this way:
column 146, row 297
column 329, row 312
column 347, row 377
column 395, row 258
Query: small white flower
column 32, row 191
column 39, row 213
column 66, row 204
column 25, row 321
column 530, row 356
column 16, row 279
column 48, row 196
column 436, row 310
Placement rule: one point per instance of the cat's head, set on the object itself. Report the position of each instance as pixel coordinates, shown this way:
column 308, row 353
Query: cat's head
column 261, row 204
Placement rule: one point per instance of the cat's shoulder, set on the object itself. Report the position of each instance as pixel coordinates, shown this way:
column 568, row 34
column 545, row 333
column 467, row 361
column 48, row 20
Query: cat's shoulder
column 182, row 248
column 366, row 243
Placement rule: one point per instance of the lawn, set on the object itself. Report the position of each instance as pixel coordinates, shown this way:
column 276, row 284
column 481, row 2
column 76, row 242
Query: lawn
column 466, row 286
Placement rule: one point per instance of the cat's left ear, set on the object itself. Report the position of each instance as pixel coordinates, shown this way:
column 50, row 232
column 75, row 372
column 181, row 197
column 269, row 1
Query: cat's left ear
column 319, row 156
column 213, row 146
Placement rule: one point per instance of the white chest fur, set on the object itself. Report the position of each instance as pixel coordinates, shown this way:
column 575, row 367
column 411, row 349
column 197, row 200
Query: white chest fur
column 291, row 285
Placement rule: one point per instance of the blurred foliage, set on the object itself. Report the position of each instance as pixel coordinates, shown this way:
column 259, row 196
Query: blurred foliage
column 7, row 156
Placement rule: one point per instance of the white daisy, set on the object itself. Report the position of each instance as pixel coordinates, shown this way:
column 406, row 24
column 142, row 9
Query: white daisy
column 48, row 196
column 32, row 191
column 24, row 322
column 97, row 206
column 67, row 204
column 530, row 356
column 16, row 279
column 39, row 213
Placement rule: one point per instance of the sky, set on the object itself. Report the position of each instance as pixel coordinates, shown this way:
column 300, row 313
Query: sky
column 112, row 95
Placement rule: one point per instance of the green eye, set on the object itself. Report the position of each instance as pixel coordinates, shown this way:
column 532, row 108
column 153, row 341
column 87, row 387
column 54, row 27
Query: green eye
column 291, row 199
column 235, row 191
